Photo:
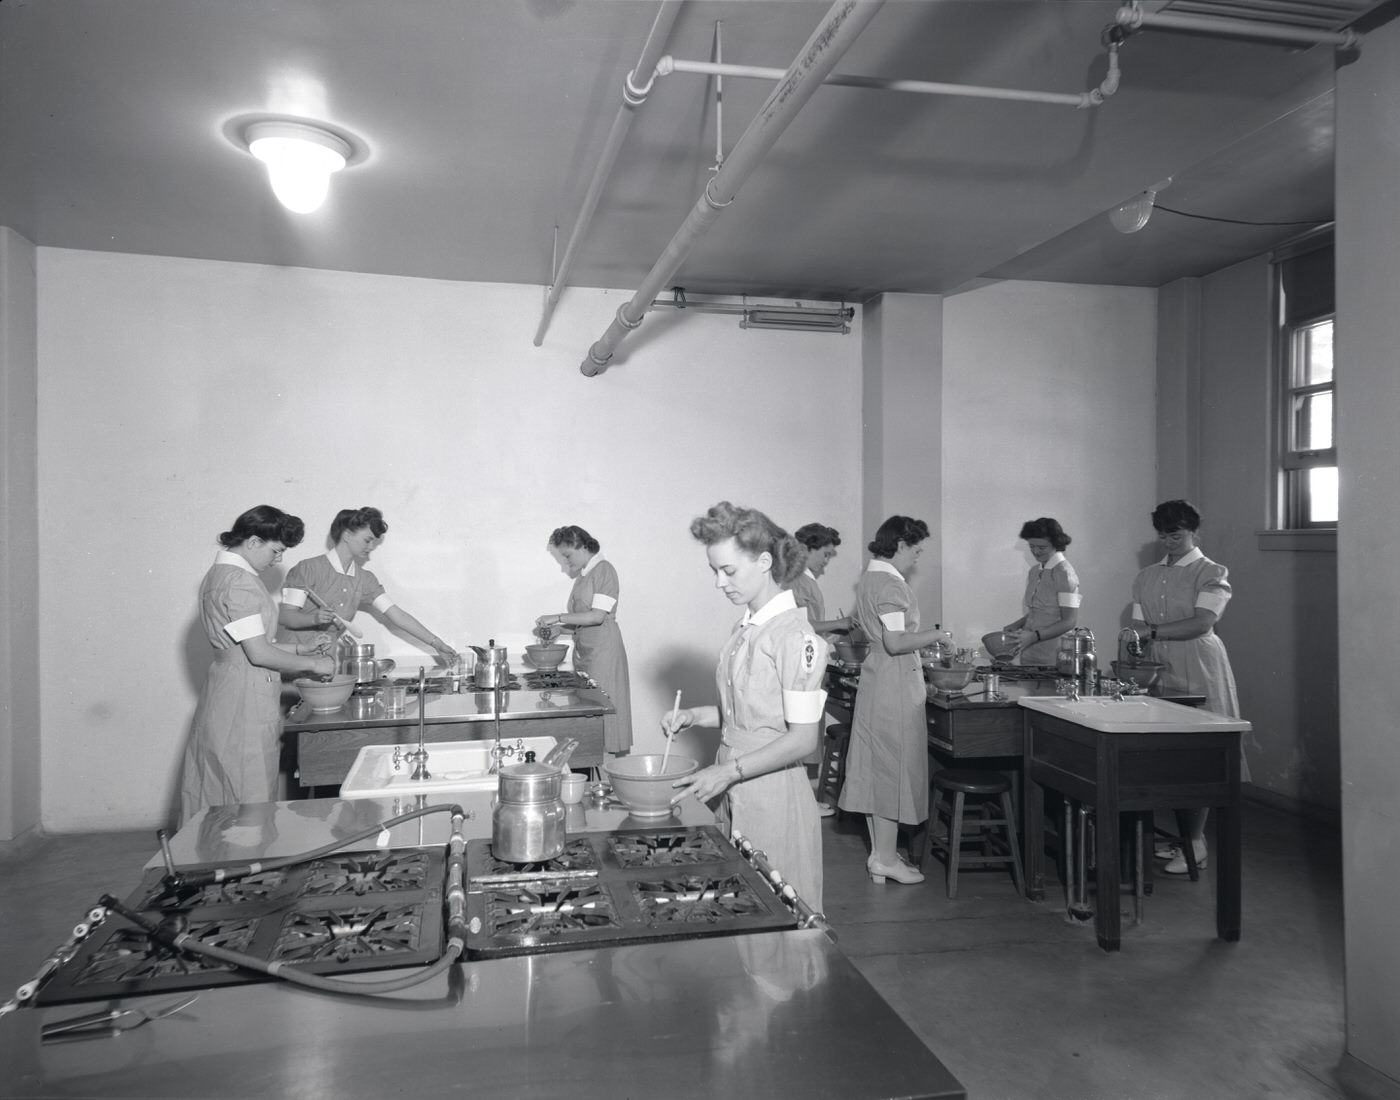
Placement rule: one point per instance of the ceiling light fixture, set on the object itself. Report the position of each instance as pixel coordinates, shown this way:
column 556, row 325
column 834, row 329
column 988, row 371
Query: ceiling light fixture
column 300, row 158
column 794, row 318
column 1130, row 216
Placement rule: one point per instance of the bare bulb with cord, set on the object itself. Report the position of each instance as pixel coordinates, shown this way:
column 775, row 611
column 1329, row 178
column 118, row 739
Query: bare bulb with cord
column 1130, row 216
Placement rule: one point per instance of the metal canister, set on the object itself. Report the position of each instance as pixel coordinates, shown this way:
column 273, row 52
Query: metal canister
column 357, row 660
column 527, row 823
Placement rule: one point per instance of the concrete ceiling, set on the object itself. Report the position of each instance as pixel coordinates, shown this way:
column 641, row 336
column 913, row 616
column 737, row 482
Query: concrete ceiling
column 479, row 123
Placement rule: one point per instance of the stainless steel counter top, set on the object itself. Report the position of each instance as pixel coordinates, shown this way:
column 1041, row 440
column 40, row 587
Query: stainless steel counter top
column 471, row 706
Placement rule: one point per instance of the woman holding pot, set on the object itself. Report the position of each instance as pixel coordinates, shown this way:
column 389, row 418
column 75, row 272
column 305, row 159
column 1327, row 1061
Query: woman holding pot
column 1051, row 602
column 1176, row 604
column 820, row 543
column 887, row 766
column 592, row 618
column 769, row 679
column 342, row 582
column 232, row 754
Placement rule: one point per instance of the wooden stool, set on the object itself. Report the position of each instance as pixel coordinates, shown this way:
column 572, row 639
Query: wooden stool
column 835, row 748
column 988, row 789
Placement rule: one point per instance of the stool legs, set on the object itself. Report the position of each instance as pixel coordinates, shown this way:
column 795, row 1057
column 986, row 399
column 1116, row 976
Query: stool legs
column 950, row 840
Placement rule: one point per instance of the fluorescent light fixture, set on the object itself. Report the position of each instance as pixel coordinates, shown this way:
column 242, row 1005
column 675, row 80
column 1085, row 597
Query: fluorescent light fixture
column 300, row 159
column 799, row 319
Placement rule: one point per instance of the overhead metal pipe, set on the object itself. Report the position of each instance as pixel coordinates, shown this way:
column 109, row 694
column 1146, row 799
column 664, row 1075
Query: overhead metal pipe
column 1133, row 17
column 832, row 38
column 1092, row 98
column 633, row 96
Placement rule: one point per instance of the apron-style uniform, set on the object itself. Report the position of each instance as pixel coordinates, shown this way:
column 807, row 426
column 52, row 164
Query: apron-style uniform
column 887, row 769
column 769, row 674
column 1165, row 593
column 234, row 746
column 598, row 650
column 345, row 591
column 808, row 596
column 1049, row 588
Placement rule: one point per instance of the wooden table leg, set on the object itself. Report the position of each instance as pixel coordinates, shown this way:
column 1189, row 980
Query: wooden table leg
column 1227, row 872
column 1035, row 840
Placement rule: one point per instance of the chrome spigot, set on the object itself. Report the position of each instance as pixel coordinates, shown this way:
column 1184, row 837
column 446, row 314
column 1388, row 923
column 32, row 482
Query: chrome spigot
column 419, row 757
column 1133, row 646
column 1071, row 689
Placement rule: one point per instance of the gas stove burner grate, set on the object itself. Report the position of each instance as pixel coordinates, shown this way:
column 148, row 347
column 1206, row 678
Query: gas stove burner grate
column 1017, row 673
column 549, row 909
column 343, row 913
column 696, row 900
column 664, row 849
column 556, row 679
column 578, row 859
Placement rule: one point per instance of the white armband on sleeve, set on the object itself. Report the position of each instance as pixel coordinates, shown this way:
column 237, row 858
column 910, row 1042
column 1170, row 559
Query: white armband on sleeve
column 602, row 602
column 294, row 597
column 1069, row 599
column 250, row 626
column 801, row 708
column 382, row 603
column 1137, row 614
column 1212, row 601
column 893, row 620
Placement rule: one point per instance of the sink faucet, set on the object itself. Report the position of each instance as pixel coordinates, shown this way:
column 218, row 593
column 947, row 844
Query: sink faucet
column 1130, row 643
column 419, row 757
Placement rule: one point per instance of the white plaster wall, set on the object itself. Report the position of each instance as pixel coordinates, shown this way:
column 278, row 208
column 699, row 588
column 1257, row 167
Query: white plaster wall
column 176, row 393
column 1048, row 410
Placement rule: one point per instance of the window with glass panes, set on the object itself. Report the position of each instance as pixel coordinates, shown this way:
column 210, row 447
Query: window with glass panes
column 1307, row 453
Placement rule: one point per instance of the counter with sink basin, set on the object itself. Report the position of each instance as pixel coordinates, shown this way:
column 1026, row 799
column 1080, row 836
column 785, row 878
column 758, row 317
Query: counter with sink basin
column 382, row 771
column 1133, row 755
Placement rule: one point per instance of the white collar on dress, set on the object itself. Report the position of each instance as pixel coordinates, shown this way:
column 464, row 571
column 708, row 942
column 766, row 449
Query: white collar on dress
column 334, row 559
column 808, row 573
column 1194, row 554
column 228, row 557
column 880, row 565
column 594, row 560
column 783, row 601
column 1052, row 561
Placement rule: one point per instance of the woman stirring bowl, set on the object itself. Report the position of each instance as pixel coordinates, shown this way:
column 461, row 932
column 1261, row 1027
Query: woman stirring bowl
column 769, row 679
column 1051, row 602
column 234, row 742
column 1176, row 604
column 341, row 581
column 592, row 618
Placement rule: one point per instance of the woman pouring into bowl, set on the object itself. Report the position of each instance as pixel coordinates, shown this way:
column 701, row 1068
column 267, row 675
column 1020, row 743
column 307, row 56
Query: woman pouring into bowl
column 820, row 543
column 1051, row 602
column 592, row 618
column 769, row 679
column 341, row 582
column 233, row 749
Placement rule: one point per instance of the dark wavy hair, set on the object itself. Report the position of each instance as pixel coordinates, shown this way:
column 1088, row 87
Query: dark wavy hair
column 895, row 530
column 573, row 538
column 352, row 519
column 267, row 523
column 816, row 535
column 1047, row 529
column 1175, row 515
column 755, row 534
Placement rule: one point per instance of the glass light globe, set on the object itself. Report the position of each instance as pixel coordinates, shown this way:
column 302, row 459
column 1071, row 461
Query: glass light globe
column 300, row 160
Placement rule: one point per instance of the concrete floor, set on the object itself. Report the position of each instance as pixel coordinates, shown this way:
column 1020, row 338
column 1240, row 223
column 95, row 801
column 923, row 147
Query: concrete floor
column 1015, row 1000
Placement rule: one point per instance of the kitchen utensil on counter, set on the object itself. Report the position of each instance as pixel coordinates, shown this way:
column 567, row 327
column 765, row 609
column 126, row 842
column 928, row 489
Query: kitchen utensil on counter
column 357, row 660
column 527, row 822
column 1001, row 644
column 345, row 625
column 326, row 695
column 492, row 667
column 1075, row 645
column 571, row 788
column 1145, row 674
column 948, row 679
column 394, row 697
column 546, row 658
column 670, row 727
column 643, row 786
column 558, row 757
column 851, row 653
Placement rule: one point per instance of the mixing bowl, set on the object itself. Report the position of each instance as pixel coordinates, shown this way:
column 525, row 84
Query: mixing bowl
column 1001, row 644
column 853, row 653
column 1146, row 674
column 546, row 658
column 327, row 695
column 948, row 678
column 640, row 784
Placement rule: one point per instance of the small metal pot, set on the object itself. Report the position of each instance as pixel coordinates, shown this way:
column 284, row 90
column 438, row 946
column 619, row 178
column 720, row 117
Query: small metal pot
column 492, row 668
column 1074, row 645
column 527, row 822
column 357, row 660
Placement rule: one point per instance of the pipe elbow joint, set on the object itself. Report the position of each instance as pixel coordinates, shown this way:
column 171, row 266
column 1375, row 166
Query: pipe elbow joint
column 635, row 96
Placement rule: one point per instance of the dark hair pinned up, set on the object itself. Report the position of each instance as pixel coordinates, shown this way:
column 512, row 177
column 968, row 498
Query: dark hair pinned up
column 755, row 534
column 814, row 536
column 895, row 530
column 573, row 538
column 267, row 523
column 1175, row 515
column 1047, row 529
column 352, row 519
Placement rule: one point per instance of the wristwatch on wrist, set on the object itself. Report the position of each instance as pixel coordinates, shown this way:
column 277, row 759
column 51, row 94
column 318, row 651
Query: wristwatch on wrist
column 1154, row 634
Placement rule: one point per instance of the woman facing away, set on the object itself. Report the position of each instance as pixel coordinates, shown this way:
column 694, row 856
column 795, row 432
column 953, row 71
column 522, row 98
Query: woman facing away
column 769, row 679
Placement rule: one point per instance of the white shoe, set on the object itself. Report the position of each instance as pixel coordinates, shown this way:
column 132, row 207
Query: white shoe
column 900, row 872
column 1178, row 864
column 825, row 809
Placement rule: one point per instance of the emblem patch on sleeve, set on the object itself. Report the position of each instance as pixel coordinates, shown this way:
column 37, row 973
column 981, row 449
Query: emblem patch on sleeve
column 809, row 652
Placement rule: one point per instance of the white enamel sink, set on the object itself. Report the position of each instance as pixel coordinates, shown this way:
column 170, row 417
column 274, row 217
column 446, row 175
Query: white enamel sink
column 1134, row 714
column 452, row 766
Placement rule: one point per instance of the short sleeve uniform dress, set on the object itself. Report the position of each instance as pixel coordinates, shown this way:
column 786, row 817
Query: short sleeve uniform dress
column 887, row 769
column 1164, row 593
column 808, row 596
column 769, row 674
column 345, row 591
column 598, row 650
column 234, row 746
column 1049, row 588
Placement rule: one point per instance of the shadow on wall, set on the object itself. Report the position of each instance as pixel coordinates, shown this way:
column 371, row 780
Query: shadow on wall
column 691, row 671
